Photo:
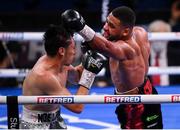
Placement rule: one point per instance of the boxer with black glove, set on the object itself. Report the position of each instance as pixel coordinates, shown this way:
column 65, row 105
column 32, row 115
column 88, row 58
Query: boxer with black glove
column 85, row 47
column 74, row 22
column 93, row 63
column 128, row 49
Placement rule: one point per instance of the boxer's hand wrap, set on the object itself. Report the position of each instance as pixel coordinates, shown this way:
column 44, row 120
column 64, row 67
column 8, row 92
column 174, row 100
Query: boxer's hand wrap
column 93, row 63
column 87, row 33
column 74, row 22
column 87, row 79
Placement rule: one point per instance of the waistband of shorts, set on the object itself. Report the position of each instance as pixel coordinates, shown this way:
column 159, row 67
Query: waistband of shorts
column 37, row 117
column 134, row 90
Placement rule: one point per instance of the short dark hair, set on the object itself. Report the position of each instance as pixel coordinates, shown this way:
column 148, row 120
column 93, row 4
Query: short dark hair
column 125, row 15
column 54, row 38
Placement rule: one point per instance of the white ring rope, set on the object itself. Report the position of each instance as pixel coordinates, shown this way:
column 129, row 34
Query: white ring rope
column 4, row 73
column 37, row 36
column 175, row 70
column 96, row 99
column 13, row 73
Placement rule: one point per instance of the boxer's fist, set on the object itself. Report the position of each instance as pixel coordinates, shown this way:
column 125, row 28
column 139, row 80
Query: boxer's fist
column 93, row 61
column 72, row 20
column 85, row 47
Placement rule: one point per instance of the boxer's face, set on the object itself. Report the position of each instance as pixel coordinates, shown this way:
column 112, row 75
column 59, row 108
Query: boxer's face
column 113, row 29
column 70, row 53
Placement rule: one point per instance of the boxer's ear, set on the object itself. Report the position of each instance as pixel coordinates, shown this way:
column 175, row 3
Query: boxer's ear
column 61, row 51
column 126, row 32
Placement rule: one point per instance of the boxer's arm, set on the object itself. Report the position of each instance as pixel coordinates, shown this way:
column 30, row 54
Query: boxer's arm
column 77, row 108
column 120, row 50
column 74, row 73
column 93, row 64
column 51, row 86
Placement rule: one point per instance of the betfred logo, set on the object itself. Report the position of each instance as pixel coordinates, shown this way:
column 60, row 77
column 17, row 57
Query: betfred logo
column 122, row 99
column 55, row 100
column 175, row 98
column 12, row 36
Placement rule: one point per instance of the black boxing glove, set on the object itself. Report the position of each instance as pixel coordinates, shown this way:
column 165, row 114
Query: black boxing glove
column 74, row 22
column 93, row 63
column 85, row 47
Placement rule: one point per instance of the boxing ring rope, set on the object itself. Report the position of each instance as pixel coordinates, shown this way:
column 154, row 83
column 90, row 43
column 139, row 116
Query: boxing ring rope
column 37, row 36
column 175, row 70
column 95, row 99
column 13, row 102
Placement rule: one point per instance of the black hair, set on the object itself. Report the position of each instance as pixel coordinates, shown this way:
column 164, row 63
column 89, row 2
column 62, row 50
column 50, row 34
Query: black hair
column 125, row 15
column 54, row 38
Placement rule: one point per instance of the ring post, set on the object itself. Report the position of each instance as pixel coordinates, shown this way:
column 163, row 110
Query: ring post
column 12, row 112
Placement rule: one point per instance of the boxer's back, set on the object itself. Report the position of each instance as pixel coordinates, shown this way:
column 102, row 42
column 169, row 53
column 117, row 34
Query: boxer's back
column 141, row 38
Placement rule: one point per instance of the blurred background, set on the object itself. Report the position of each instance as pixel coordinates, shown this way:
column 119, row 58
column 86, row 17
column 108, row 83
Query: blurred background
column 37, row 15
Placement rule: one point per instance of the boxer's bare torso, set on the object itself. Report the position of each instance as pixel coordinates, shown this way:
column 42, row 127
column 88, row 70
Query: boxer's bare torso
column 129, row 73
column 37, row 82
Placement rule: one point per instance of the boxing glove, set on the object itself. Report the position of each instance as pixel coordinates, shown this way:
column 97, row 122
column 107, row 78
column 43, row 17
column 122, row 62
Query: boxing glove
column 85, row 47
column 74, row 22
column 93, row 63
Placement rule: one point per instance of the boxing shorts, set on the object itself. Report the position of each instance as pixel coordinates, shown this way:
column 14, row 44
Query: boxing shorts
column 140, row 116
column 41, row 120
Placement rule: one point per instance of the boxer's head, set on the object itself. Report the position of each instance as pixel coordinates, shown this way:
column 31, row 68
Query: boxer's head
column 119, row 23
column 58, row 42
